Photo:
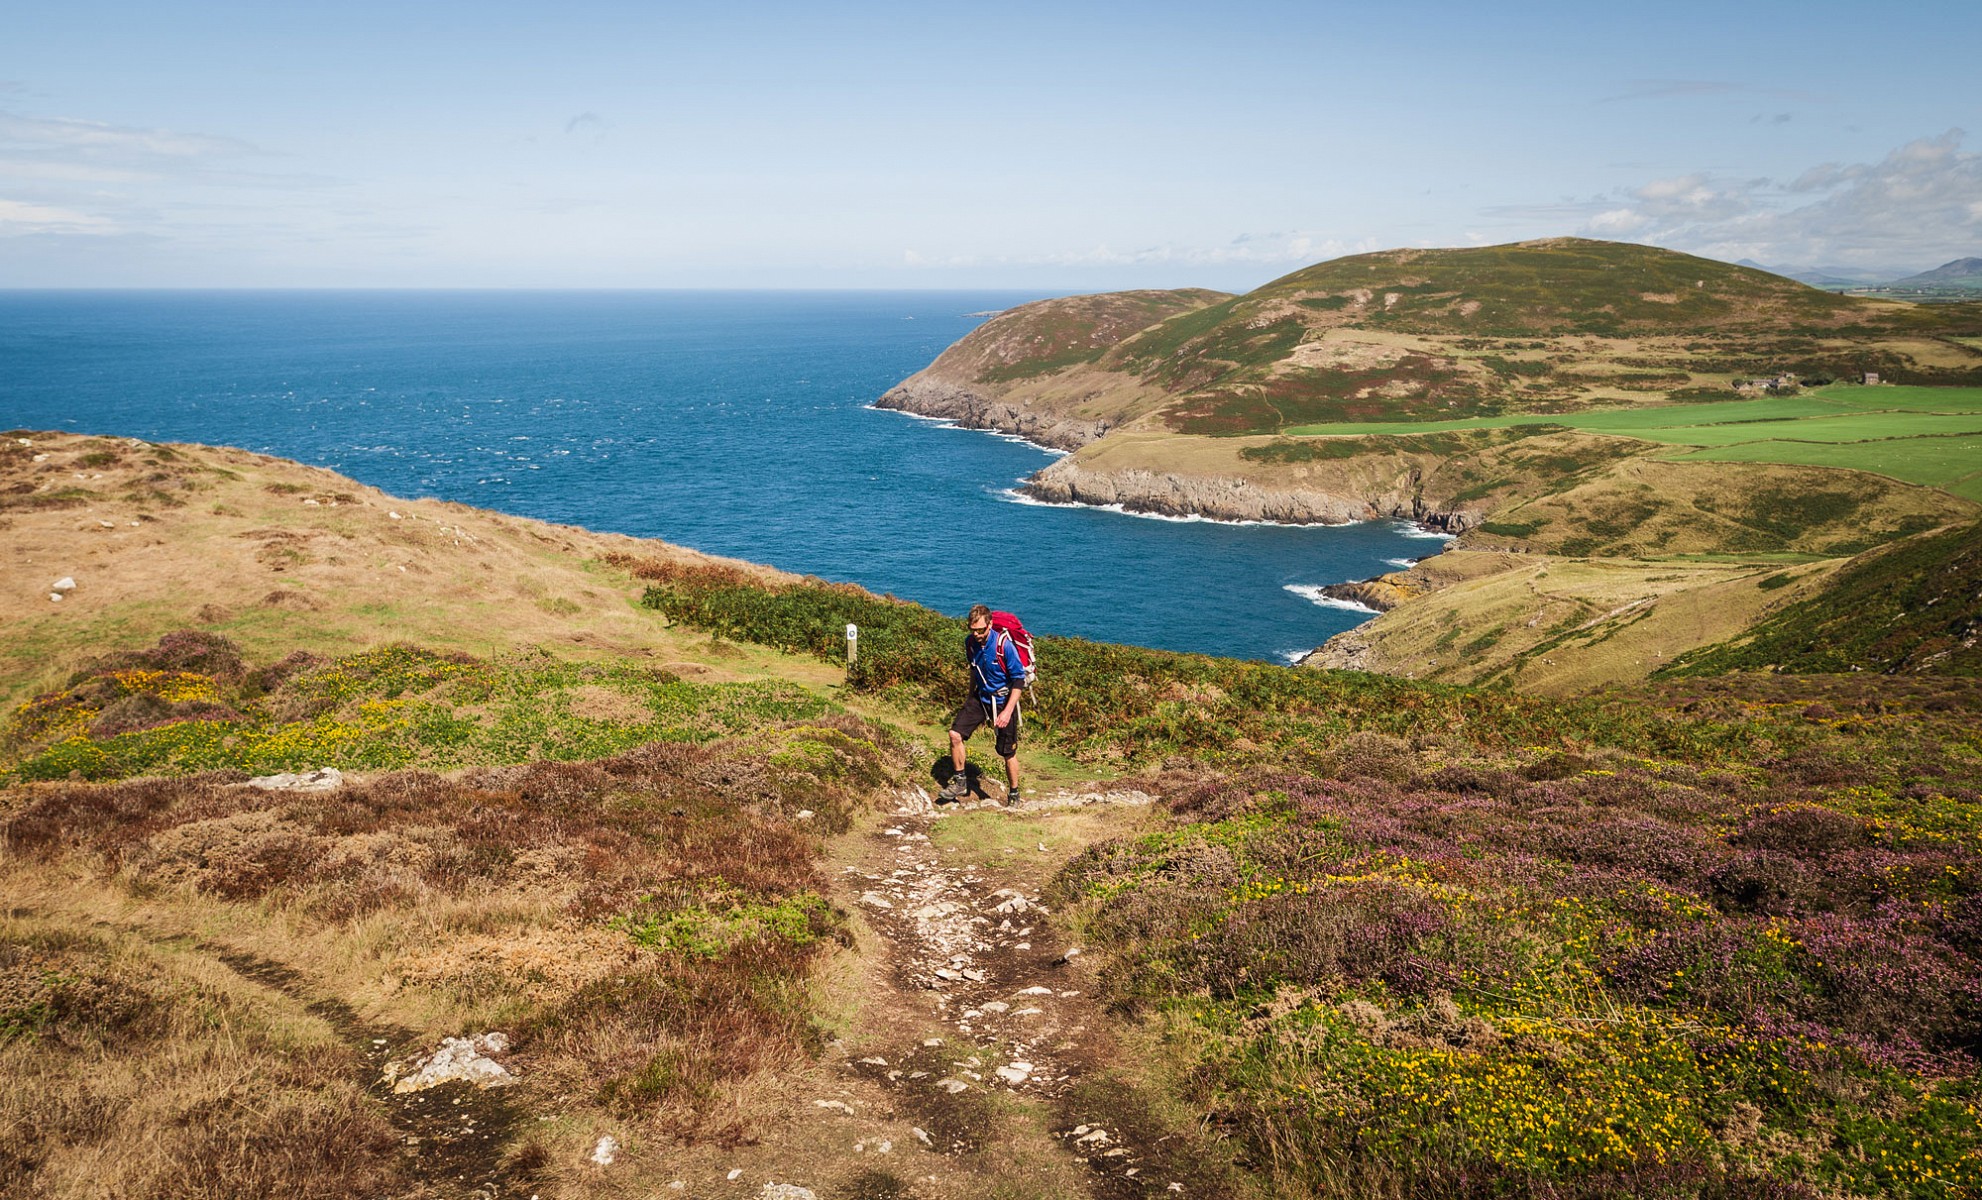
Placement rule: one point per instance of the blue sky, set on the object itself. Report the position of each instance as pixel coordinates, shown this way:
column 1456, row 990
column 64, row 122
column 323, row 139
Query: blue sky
column 1052, row 147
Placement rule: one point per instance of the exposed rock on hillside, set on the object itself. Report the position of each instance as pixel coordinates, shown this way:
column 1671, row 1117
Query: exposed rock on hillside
column 1028, row 371
column 1224, row 498
column 928, row 396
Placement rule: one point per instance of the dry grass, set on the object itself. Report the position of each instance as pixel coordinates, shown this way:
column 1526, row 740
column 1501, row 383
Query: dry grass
column 277, row 555
column 142, row 1070
column 206, row 963
column 1557, row 627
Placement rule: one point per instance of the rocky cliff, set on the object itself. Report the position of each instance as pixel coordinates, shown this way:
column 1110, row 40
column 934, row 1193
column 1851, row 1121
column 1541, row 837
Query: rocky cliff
column 1227, row 498
column 973, row 408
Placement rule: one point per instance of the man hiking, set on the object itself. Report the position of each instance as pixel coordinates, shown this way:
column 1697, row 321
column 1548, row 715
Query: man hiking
column 997, row 676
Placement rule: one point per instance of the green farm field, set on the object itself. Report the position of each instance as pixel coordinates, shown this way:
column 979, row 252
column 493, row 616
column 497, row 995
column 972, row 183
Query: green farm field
column 1923, row 435
column 1953, row 464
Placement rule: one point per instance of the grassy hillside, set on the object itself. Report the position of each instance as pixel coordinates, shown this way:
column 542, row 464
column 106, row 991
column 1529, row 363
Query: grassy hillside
column 1554, row 326
column 1649, row 944
column 1051, row 335
column 275, row 556
column 1909, row 609
column 1563, row 286
column 1564, row 626
column 1714, row 938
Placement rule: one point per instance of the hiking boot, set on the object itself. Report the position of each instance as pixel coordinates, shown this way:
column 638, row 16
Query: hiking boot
column 956, row 789
column 1012, row 798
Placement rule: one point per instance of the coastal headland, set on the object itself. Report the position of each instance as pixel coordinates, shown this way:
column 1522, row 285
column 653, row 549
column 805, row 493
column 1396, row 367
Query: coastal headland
column 1595, row 403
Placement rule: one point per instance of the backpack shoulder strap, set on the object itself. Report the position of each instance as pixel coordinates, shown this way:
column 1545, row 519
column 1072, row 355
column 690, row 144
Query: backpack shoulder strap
column 1010, row 643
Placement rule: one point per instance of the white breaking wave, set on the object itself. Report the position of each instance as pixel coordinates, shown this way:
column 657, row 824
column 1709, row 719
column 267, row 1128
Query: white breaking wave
column 1055, row 451
column 1419, row 531
column 1014, row 496
column 1291, row 657
column 1312, row 593
column 947, row 423
column 1402, row 562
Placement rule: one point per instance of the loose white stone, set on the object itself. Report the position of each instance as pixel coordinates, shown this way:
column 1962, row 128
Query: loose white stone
column 65, row 584
column 786, row 1191
column 1036, row 991
column 324, row 779
column 735, row 1174
column 1015, row 1073
column 840, row 1105
column 395, row 516
column 952, row 1086
column 607, row 1150
column 806, row 814
column 875, row 900
column 458, row 1058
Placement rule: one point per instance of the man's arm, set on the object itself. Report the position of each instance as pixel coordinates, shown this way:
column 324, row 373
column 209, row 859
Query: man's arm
column 1004, row 716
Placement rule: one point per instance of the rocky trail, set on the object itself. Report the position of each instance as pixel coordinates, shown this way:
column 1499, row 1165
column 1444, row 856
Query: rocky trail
column 982, row 961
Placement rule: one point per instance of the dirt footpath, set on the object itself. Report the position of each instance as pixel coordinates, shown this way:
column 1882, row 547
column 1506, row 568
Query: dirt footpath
column 1016, row 1027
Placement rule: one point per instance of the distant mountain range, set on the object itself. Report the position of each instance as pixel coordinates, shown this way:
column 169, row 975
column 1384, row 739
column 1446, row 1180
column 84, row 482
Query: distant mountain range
column 1963, row 274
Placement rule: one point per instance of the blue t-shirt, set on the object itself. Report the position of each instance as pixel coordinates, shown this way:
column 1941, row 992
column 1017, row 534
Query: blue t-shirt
column 994, row 665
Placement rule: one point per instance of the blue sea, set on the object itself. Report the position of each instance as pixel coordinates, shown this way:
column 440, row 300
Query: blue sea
column 734, row 422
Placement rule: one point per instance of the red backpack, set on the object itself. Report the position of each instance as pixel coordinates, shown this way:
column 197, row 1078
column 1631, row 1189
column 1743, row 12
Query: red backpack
column 1009, row 625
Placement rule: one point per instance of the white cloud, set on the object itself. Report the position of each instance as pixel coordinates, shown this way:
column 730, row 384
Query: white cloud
column 1617, row 222
column 18, row 216
column 1247, row 249
column 63, row 134
column 1919, row 206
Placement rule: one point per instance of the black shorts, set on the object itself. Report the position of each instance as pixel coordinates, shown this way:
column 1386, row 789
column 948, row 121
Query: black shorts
column 974, row 714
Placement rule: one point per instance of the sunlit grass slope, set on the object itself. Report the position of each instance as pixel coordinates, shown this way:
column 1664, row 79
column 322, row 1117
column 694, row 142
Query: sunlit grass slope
column 1398, row 939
